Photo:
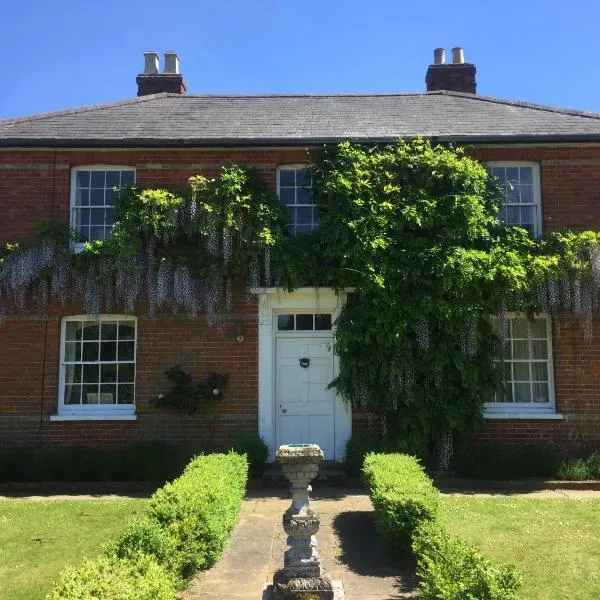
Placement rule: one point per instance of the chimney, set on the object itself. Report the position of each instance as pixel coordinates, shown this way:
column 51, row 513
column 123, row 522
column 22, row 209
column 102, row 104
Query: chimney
column 456, row 77
column 153, row 82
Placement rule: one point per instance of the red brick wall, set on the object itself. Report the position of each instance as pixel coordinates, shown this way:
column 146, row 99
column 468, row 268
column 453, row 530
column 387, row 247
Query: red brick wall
column 34, row 184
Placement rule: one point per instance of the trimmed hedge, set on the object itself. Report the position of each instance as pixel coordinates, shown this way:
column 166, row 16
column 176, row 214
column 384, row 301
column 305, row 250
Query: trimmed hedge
column 186, row 529
column 402, row 495
column 109, row 578
column 407, row 516
column 450, row 569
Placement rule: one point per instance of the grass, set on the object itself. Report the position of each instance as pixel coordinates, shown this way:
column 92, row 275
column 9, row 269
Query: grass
column 553, row 543
column 39, row 537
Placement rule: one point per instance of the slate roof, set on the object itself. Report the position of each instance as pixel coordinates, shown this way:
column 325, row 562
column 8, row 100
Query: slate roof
column 190, row 120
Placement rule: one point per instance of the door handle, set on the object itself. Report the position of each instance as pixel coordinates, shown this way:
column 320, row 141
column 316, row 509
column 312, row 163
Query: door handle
column 284, row 410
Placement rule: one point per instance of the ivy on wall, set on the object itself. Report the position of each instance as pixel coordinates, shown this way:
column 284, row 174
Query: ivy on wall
column 411, row 226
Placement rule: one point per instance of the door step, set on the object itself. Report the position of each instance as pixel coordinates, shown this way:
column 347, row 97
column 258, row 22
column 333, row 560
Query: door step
column 330, row 473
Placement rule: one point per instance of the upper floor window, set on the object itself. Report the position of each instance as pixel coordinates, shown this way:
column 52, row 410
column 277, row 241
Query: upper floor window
column 527, row 362
column 294, row 186
column 97, row 367
column 93, row 193
column 520, row 183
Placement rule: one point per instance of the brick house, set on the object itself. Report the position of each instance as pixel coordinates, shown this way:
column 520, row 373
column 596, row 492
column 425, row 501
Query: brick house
column 65, row 164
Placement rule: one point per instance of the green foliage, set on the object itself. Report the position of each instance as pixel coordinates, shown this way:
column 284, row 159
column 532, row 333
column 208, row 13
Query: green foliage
column 503, row 461
column 450, row 569
column 114, row 579
column 573, row 469
column 145, row 537
column 593, row 465
column 358, row 446
column 254, row 448
column 403, row 497
column 199, row 509
column 187, row 394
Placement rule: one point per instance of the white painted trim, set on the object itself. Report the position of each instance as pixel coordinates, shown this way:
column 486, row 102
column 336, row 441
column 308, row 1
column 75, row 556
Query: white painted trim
column 107, row 417
column 90, row 412
column 524, row 415
column 271, row 301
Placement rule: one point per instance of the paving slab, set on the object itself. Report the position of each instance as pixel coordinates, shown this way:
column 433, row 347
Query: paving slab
column 349, row 547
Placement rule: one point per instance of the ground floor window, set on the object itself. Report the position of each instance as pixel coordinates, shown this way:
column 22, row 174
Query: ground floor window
column 98, row 365
column 527, row 366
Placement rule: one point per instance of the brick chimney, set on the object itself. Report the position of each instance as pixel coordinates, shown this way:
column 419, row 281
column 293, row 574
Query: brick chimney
column 456, row 77
column 153, row 82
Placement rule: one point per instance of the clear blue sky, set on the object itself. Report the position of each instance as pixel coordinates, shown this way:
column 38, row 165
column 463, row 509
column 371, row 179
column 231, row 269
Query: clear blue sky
column 59, row 54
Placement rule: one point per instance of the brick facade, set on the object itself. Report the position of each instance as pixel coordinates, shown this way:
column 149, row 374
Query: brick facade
column 35, row 184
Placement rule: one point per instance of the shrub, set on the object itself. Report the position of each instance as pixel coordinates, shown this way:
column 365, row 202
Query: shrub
column 502, row 461
column 593, row 465
column 357, row 447
column 573, row 469
column 402, row 495
column 199, row 509
column 110, row 578
column 450, row 569
column 254, row 448
column 145, row 537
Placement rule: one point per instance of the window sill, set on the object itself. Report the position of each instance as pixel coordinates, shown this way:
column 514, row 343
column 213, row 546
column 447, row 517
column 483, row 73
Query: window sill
column 105, row 417
column 524, row 415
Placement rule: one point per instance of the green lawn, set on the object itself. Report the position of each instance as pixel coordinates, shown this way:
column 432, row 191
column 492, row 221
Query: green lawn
column 555, row 544
column 39, row 537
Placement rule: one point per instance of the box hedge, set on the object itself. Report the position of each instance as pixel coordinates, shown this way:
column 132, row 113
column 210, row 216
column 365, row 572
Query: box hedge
column 403, row 496
column 186, row 529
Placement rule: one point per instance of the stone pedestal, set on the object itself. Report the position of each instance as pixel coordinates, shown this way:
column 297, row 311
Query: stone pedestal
column 302, row 576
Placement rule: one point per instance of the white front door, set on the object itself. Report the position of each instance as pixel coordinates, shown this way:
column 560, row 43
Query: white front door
column 304, row 407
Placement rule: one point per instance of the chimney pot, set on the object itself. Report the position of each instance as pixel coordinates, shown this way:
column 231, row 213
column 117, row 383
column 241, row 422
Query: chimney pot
column 150, row 63
column 171, row 63
column 439, row 56
column 458, row 56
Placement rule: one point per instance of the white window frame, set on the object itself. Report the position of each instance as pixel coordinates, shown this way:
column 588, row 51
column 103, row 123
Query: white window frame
column 71, row 412
column 529, row 410
column 78, row 246
column 536, row 183
column 295, row 166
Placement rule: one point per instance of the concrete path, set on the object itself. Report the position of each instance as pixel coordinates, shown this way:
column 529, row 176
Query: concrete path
column 350, row 550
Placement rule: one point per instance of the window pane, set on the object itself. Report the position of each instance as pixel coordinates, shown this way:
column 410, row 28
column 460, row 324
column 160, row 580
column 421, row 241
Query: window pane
column 126, row 351
column 322, row 322
column 83, row 179
column 305, row 196
column 108, row 394
column 540, row 392
column 539, row 371
column 539, row 328
column 127, row 178
column 91, row 373
column 500, row 173
column 287, row 177
column 89, row 394
column 126, row 331
column 126, row 373
column 112, row 179
column 287, row 195
column 110, row 217
column 82, row 198
column 90, row 351
column 303, row 215
column 519, row 328
column 303, row 229
column 98, row 179
column 520, row 349
column 110, row 197
column 304, row 322
column 72, row 351
column 108, row 330
column 526, row 174
column 73, row 330
column 91, row 330
column 303, row 177
column 521, row 371
column 512, row 175
column 97, row 233
column 126, row 394
column 526, row 194
column 285, row 322
column 97, row 216
column 72, row 394
column 539, row 349
column 522, row 392
column 97, row 197
column 108, row 373
column 82, row 217
column 527, row 215
column 513, row 215
column 73, row 374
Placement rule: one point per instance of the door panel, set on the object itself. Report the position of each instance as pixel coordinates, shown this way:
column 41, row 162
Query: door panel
column 304, row 405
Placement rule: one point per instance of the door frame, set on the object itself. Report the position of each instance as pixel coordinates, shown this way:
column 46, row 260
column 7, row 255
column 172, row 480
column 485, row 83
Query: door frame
column 271, row 302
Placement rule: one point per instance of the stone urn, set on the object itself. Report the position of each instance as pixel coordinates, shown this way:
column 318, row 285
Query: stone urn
column 302, row 575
